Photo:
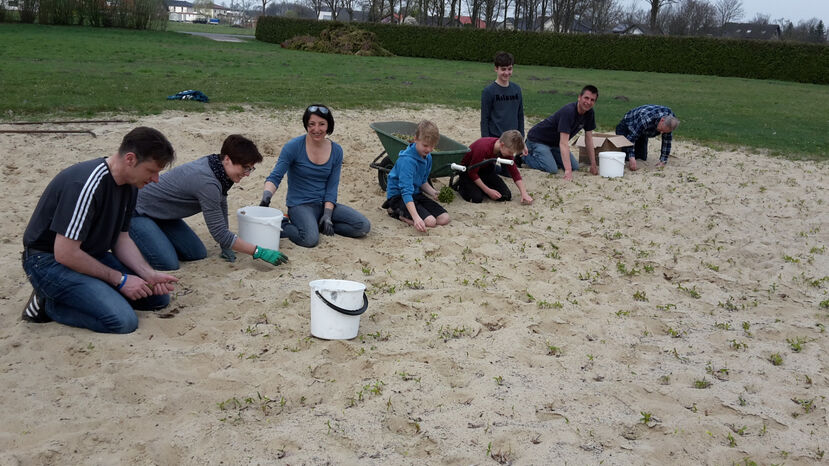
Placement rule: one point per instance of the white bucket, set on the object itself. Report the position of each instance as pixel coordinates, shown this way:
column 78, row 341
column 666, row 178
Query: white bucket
column 260, row 226
column 611, row 164
column 336, row 306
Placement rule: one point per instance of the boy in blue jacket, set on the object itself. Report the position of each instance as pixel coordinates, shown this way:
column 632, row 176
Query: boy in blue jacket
column 409, row 196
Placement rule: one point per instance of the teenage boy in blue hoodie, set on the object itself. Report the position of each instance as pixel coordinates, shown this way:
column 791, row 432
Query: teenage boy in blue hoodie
column 409, row 196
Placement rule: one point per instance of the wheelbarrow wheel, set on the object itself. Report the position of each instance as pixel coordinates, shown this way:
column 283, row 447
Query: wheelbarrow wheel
column 383, row 172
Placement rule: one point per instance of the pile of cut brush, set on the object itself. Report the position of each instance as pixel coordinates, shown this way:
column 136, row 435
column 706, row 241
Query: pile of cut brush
column 342, row 39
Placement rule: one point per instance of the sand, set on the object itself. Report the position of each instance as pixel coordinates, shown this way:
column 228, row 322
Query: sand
column 579, row 330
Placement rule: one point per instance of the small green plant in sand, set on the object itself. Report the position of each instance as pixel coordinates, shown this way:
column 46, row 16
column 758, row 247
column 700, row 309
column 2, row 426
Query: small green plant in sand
column 646, row 417
column 796, row 344
column 692, row 292
column 622, row 268
column 702, row 383
column 746, row 327
column 673, row 333
column 731, row 441
column 807, row 405
column 499, row 380
column 776, row 359
column 367, row 270
column 553, row 350
column 790, row 259
column 640, row 296
column 546, row 305
column 723, row 325
column 824, row 304
column 738, row 345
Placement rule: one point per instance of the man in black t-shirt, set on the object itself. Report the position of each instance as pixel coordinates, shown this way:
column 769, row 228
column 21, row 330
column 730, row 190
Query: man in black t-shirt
column 548, row 142
column 84, row 268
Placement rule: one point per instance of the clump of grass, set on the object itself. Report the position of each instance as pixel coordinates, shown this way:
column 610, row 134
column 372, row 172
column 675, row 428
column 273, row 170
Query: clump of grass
column 702, row 383
column 646, row 417
column 446, row 195
column 776, row 359
column 796, row 344
column 640, row 296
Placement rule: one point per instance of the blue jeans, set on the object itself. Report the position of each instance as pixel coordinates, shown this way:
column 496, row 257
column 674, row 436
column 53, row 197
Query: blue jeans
column 164, row 242
column 79, row 300
column 302, row 226
column 547, row 158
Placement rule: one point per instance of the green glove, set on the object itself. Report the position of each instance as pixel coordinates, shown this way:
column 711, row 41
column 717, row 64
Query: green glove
column 269, row 255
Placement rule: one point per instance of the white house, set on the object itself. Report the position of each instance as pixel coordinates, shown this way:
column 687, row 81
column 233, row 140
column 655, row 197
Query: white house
column 181, row 11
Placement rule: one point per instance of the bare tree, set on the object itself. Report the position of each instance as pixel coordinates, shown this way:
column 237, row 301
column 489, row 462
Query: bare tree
column 315, row 5
column 564, row 13
column 333, row 5
column 760, row 18
column 655, row 6
column 728, row 11
column 601, row 15
column 264, row 4
column 689, row 18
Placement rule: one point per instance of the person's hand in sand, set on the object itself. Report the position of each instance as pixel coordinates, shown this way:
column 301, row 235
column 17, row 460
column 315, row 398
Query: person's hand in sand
column 526, row 199
column 632, row 164
column 660, row 164
column 270, row 256
column 594, row 170
column 161, row 283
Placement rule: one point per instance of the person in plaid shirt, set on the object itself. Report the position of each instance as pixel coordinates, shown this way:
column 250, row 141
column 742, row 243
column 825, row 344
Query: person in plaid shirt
column 646, row 122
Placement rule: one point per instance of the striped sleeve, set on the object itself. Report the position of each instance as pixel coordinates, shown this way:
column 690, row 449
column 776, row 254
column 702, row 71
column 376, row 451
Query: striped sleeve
column 82, row 205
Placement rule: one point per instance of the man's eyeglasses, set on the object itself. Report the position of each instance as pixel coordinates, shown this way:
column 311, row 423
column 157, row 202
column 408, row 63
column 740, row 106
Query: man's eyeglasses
column 318, row 108
column 248, row 170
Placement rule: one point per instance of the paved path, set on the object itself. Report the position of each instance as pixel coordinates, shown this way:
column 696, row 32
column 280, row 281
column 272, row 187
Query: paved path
column 221, row 37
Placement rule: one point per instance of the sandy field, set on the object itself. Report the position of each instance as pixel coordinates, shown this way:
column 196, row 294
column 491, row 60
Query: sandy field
column 615, row 321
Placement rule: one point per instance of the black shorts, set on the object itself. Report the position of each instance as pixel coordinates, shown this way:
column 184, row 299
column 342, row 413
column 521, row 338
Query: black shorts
column 425, row 207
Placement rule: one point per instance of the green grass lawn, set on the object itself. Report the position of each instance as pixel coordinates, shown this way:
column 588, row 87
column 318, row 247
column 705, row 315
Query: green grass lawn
column 50, row 71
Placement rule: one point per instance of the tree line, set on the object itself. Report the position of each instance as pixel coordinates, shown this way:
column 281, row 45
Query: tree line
column 659, row 17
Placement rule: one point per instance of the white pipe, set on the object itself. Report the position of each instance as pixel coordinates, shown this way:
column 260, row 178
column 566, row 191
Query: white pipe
column 499, row 160
column 457, row 167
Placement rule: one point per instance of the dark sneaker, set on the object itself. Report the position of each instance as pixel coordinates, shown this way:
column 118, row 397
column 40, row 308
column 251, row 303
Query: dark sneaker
column 34, row 311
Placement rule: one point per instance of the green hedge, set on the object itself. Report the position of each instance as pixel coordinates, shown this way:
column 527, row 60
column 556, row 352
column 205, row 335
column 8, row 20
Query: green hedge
column 785, row 61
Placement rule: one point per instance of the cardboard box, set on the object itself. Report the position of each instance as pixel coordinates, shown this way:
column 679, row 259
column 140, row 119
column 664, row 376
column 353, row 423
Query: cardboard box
column 603, row 142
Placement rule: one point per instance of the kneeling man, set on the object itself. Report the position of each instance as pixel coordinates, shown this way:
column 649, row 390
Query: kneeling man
column 77, row 253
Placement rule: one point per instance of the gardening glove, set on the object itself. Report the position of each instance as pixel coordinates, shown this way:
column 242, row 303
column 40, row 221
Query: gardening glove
column 228, row 255
column 326, row 225
column 269, row 255
column 266, row 198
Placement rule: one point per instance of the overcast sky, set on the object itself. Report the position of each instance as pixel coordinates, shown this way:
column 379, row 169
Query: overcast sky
column 793, row 10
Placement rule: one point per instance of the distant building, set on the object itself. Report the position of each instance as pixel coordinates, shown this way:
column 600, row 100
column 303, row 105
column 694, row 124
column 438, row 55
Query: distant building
column 751, row 31
column 181, row 11
column 629, row 29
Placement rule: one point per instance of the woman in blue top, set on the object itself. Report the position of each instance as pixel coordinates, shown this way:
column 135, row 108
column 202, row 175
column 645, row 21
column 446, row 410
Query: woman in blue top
column 313, row 163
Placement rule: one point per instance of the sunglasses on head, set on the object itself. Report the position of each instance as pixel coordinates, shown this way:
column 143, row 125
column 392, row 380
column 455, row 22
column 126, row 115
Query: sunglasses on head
column 318, row 108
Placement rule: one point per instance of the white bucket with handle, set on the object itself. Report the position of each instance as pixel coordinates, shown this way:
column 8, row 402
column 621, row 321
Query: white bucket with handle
column 336, row 307
column 260, row 226
column 611, row 164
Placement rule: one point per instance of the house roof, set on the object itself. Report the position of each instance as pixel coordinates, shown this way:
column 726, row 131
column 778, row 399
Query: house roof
column 170, row 3
column 624, row 28
column 751, row 31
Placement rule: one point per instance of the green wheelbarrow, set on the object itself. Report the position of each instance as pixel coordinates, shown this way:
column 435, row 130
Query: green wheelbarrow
column 397, row 135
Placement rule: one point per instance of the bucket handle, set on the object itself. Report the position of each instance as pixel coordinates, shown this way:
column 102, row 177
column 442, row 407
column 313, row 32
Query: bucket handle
column 349, row 312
